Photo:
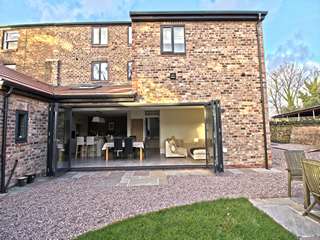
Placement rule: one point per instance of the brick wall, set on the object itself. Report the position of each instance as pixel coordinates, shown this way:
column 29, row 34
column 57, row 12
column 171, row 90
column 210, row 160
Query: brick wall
column 40, row 48
column 32, row 155
column 221, row 62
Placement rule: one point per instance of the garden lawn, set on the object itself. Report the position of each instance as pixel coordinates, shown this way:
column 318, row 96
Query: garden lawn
column 222, row 219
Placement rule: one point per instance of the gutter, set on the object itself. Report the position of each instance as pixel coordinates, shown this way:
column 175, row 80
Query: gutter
column 260, row 19
column 6, row 96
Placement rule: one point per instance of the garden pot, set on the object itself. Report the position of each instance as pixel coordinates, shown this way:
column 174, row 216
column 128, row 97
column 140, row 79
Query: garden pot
column 21, row 181
column 30, row 178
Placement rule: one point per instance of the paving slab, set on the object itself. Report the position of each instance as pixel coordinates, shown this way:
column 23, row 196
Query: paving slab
column 287, row 213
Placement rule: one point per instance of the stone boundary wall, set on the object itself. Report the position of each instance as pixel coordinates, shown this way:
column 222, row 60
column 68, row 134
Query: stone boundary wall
column 302, row 132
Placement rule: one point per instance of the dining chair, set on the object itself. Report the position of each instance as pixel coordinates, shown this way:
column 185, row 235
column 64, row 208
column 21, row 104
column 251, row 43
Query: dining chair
column 90, row 146
column 80, row 147
column 118, row 149
column 128, row 147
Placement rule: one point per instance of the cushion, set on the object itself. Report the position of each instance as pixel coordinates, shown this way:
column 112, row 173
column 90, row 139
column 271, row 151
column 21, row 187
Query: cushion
column 173, row 148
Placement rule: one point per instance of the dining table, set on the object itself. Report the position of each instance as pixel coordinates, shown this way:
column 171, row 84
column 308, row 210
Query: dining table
column 135, row 144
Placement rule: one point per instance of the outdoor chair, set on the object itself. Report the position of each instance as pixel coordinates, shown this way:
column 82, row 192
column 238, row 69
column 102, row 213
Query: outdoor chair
column 128, row 147
column 311, row 173
column 118, row 149
column 294, row 167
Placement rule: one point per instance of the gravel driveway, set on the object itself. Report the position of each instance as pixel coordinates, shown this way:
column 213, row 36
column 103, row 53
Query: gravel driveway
column 65, row 207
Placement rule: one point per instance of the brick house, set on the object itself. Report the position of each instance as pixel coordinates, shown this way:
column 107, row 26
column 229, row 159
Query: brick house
column 197, row 76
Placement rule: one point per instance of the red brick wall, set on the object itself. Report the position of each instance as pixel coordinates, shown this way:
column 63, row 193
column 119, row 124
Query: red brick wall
column 221, row 62
column 39, row 47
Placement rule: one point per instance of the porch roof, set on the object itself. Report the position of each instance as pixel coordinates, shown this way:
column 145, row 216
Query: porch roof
column 23, row 82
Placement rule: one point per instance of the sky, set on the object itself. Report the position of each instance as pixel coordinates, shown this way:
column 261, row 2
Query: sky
column 291, row 31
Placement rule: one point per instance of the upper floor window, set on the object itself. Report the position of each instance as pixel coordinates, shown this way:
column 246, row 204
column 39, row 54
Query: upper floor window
column 10, row 39
column 11, row 66
column 99, row 71
column 130, row 71
column 21, row 126
column 129, row 35
column 99, row 35
column 172, row 39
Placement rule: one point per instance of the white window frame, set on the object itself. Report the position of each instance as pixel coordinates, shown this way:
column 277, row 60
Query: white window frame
column 99, row 42
column 129, row 70
column 99, row 63
column 172, row 51
column 130, row 35
column 7, row 40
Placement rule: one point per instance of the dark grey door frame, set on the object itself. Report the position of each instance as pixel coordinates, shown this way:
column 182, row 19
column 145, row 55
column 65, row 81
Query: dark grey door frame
column 213, row 135
column 217, row 131
column 52, row 154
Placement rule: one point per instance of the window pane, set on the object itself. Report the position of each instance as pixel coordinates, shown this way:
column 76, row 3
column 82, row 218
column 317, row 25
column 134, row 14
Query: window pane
column 95, row 69
column 95, row 36
column 12, row 36
column 129, row 70
column 104, row 35
column 12, row 45
column 178, row 33
column 22, row 125
column 166, row 40
column 130, row 35
column 104, row 71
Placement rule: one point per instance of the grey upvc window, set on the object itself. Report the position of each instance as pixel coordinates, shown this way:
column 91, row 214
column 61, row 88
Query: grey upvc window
column 99, row 71
column 21, row 130
column 129, row 35
column 10, row 39
column 99, row 36
column 130, row 71
column 173, row 39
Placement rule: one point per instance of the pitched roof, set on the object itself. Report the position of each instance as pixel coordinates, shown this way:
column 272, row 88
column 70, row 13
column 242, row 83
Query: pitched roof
column 10, row 77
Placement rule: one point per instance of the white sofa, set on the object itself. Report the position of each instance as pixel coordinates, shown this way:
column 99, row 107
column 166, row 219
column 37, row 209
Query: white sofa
column 174, row 151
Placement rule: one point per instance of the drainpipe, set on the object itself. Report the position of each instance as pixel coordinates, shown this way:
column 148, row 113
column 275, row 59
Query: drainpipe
column 262, row 95
column 4, row 139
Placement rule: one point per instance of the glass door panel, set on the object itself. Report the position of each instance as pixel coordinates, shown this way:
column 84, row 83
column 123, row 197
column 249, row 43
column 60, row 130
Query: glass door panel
column 63, row 136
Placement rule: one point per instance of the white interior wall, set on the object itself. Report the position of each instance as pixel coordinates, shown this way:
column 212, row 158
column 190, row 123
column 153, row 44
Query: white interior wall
column 186, row 124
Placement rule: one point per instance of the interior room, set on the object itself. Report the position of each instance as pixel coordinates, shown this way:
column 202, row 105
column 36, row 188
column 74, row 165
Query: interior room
column 159, row 136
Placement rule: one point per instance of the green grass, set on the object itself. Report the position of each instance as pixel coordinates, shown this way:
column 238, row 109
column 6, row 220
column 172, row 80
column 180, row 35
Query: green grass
column 222, row 219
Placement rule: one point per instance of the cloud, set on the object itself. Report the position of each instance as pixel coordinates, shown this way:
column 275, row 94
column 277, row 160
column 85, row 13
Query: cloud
column 293, row 50
column 83, row 9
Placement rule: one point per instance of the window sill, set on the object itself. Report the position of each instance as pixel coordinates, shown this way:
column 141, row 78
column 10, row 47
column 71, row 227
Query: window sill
column 8, row 50
column 173, row 53
column 19, row 141
column 99, row 45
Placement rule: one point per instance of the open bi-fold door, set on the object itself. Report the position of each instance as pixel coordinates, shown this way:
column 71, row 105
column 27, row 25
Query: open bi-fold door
column 59, row 139
column 214, row 136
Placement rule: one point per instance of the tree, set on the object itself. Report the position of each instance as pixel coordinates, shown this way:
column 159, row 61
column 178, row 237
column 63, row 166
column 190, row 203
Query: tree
column 285, row 82
column 310, row 95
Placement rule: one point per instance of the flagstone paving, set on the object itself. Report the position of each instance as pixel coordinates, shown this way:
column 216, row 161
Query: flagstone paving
column 288, row 213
